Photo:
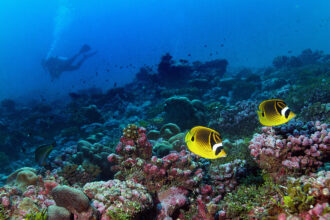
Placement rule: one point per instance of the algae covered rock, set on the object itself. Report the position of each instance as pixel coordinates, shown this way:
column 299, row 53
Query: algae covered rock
column 23, row 177
column 75, row 201
column 72, row 199
column 153, row 135
column 87, row 115
column 56, row 212
column 163, row 148
column 95, row 154
column 183, row 112
column 169, row 130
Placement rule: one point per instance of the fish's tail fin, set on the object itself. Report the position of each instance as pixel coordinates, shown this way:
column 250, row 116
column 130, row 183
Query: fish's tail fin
column 187, row 137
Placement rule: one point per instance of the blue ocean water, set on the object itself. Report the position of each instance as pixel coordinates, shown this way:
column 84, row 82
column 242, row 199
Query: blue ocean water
column 139, row 32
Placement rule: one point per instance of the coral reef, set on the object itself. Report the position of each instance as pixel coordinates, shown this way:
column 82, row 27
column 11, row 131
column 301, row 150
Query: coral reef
column 55, row 212
column 117, row 199
column 8, row 104
column 306, row 57
column 87, row 115
column 242, row 115
column 170, row 201
column 172, row 178
column 75, row 201
column 316, row 111
column 219, row 67
column 307, row 197
column 223, row 176
column 299, row 154
column 23, row 177
column 166, row 140
column 17, row 204
column 280, row 173
column 91, row 160
column 79, row 174
column 170, row 73
column 183, row 112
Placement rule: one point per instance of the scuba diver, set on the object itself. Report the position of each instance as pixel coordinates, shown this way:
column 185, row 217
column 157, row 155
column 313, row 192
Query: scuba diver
column 57, row 65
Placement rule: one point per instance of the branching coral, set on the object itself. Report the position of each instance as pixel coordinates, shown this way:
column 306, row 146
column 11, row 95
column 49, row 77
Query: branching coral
column 281, row 155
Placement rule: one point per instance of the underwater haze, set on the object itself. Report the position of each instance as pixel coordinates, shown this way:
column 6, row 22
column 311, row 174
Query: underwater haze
column 164, row 110
column 247, row 33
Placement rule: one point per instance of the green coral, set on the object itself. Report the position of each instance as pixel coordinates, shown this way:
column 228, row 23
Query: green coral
column 297, row 199
column 116, row 214
column 42, row 215
column 238, row 204
column 124, row 214
column 3, row 213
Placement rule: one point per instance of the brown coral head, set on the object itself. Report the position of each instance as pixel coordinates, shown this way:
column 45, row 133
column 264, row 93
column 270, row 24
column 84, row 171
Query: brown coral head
column 26, row 178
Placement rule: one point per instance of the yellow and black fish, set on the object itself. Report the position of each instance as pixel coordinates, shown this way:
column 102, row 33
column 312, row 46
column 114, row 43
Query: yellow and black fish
column 42, row 152
column 205, row 142
column 274, row 112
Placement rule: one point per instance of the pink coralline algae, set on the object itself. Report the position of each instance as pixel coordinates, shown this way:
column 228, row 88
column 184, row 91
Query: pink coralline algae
column 176, row 179
column 170, row 201
column 115, row 199
column 223, row 179
column 223, row 176
column 134, row 161
column 302, row 154
column 16, row 204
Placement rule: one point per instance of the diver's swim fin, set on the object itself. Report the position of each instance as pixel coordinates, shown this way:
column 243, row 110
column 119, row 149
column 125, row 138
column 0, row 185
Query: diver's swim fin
column 90, row 54
column 85, row 48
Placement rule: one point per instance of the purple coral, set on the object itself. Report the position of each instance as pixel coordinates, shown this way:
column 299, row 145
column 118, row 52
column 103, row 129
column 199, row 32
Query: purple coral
column 298, row 154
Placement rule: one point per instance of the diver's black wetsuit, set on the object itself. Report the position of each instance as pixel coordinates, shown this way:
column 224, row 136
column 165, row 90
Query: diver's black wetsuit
column 57, row 65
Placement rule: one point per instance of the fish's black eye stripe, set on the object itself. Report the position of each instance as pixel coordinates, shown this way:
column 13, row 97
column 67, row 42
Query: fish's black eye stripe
column 287, row 113
column 218, row 150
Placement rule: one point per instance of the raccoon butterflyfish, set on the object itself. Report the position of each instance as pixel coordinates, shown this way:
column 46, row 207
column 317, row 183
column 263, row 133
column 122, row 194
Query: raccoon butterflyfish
column 205, row 142
column 42, row 152
column 274, row 112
